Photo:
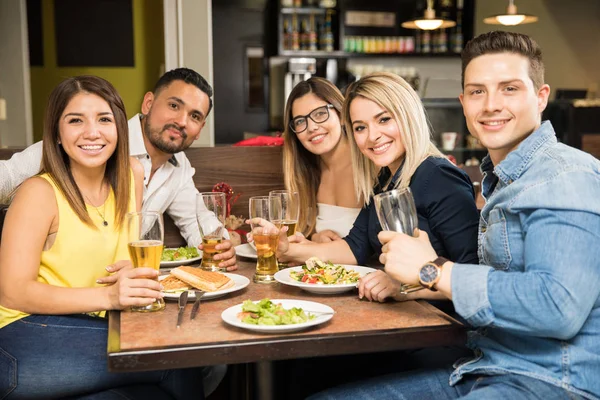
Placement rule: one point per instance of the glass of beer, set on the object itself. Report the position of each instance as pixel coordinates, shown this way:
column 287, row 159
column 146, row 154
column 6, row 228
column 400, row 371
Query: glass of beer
column 211, row 208
column 145, row 232
column 266, row 237
column 287, row 209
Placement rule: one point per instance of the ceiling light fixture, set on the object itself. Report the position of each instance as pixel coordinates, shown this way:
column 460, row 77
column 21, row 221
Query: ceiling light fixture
column 429, row 21
column 511, row 18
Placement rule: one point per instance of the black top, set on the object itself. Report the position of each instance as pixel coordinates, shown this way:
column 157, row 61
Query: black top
column 445, row 203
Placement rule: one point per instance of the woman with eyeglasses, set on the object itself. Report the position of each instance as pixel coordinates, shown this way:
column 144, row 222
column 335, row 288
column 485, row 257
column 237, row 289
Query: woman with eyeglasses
column 317, row 163
column 390, row 146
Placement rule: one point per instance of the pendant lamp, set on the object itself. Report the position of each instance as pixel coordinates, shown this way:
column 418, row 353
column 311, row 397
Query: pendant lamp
column 511, row 17
column 429, row 21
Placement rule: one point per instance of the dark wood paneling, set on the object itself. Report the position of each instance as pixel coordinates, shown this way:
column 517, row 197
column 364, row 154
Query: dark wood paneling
column 251, row 171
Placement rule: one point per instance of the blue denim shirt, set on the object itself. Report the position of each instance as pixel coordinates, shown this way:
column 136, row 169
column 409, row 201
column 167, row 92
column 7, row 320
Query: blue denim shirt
column 446, row 210
column 535, row 297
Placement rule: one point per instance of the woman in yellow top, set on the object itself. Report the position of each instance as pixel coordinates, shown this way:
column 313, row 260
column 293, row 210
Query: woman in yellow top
column 62, row 230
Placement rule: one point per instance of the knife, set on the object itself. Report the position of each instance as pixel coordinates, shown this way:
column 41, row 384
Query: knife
column 196, row 306
column 182, row 302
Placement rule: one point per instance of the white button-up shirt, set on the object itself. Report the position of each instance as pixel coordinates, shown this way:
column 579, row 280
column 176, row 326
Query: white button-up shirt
column 171, row 189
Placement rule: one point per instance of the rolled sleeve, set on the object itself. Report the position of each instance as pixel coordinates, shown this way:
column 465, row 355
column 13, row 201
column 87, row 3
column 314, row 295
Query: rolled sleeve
column 470, row 293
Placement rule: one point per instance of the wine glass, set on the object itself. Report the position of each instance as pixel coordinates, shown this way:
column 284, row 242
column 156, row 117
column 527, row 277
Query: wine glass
column 211, row 208
column 266, row 236
column 396, row 212
column 145, row 235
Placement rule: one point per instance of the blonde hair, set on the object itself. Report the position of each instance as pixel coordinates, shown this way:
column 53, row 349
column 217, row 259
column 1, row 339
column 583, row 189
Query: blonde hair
column 397, row 97
column 301, row 168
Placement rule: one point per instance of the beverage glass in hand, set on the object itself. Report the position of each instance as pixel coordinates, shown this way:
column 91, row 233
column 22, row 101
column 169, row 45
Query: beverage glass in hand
column 266, row 237
column 145, row 232
column 210, row 213
column 285, row 211
column 396, row 212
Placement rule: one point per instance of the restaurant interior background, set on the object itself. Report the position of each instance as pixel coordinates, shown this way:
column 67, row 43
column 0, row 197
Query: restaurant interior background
column 243, row 47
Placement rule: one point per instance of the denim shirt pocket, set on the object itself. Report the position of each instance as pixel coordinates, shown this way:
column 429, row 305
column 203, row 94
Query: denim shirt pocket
column 8, row 373
column 495, row 250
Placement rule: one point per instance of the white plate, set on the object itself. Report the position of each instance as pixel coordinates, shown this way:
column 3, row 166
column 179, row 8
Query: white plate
column 245, row 250
column 283, row 276
column 230, row 316
column 239, row 280
column 168, row 264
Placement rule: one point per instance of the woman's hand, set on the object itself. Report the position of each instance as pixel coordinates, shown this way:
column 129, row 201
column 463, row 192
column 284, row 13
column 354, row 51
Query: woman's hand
column 377, row 286
column 325, row 236
column 130, row 286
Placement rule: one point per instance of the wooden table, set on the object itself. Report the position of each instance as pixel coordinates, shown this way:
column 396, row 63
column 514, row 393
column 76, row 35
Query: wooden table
column 151, row 341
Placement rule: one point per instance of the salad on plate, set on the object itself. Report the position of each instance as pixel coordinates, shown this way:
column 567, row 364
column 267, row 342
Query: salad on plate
column 324, row 273
column 179, row 254
column 265, row 312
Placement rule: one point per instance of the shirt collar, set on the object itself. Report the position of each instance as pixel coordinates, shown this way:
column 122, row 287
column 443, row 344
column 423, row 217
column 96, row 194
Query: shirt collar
column 384, row 176
column 137, row 147
column 517, row 161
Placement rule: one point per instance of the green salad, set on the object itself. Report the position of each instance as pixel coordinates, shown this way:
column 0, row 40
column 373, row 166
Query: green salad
column 180, row 254
column 265, row 312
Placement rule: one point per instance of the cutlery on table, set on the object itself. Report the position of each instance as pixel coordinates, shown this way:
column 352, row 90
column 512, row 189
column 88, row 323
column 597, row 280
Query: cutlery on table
column 183, row 297
column 196, row 306
column 317, row 313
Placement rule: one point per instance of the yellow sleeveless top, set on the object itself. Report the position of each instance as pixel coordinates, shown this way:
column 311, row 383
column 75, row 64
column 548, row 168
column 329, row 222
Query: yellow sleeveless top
column 80, row 253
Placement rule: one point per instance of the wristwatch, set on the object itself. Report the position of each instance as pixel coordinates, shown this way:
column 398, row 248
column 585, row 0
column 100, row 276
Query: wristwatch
column 431, row 272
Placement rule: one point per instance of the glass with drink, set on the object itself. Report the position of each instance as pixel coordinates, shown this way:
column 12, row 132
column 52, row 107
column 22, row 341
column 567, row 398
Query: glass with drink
column 285, row 211
column 210, row 213
column 145, row 232
column 266, row 237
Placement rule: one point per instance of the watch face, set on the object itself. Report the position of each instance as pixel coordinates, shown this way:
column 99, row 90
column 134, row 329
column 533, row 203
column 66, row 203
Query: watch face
column 428, row 273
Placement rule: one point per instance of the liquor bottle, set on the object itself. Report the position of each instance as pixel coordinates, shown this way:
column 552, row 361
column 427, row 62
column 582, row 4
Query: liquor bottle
column 327, row 35
column 457, row 38
column 304, row 36
column 426, row 42
column 312, row 34
column 297, row 3
column 286, row 43
column 295, row 33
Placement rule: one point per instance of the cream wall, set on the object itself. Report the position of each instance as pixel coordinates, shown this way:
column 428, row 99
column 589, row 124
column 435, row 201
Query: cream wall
column 567, row 31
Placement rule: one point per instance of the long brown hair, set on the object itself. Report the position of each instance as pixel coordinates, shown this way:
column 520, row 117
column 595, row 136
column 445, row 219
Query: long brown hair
column 301, row 168
column 55, row 160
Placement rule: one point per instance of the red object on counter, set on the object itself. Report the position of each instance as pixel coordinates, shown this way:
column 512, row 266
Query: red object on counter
column 261, row 141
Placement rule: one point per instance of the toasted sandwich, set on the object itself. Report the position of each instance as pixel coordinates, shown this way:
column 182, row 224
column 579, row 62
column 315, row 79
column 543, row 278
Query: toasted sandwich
column 173, row 285
column 203, row 280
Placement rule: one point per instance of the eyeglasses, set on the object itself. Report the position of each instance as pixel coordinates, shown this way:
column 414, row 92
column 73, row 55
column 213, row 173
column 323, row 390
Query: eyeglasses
column 318, row 115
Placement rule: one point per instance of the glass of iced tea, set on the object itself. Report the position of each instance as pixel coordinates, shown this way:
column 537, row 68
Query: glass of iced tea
column 266, row 237
column 211, row 208
column 145, row 233
column 285, row 211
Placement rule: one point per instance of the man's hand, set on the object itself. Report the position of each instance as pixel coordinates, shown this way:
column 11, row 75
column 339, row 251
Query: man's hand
column 227, row 254
column 404, row 255
column 325, row 236
column 377, row 286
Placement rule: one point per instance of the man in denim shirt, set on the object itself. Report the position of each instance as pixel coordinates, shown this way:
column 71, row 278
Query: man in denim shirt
column 534, row 299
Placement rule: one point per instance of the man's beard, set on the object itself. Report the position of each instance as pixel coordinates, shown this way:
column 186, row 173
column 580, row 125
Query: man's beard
column 165, row 145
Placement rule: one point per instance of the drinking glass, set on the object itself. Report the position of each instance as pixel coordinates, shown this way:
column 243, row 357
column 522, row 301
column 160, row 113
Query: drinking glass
column 285, row 212
column 210, row 213
column 289, row 209
column 145, row 234
column 396, row 212
column 266, row 237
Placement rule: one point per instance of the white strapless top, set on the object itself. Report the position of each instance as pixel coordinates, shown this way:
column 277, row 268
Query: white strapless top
column 338, row 219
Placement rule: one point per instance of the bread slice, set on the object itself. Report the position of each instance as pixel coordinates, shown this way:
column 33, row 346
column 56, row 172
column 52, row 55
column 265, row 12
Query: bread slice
column 173, row 284
column 204, row 280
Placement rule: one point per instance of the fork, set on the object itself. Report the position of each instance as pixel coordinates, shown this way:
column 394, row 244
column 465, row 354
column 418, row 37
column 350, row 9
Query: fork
column 196, row 306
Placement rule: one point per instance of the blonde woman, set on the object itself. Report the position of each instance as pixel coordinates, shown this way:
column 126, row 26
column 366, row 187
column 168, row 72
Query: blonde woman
column 390, row 146
column 317, row 163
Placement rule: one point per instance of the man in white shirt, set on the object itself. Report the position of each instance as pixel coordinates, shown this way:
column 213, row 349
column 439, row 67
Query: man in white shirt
column 172, row 117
